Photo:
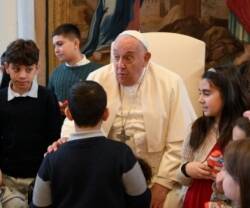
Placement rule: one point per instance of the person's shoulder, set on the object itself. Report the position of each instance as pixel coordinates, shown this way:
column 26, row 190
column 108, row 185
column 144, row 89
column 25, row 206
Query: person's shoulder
column 114, row 142
column 167, row 80
column 119, row 146
column 60, row 153
column 42, row 89
column 44, row 92
column 122, row 152
column 164, row 72
column 94, row 65
column 89, row 67
column 58, row 69
column 102, row 71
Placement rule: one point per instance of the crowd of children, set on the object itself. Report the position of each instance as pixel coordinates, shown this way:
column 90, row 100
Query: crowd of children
column 90, row 170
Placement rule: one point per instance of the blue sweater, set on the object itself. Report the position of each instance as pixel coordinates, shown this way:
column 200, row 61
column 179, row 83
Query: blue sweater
column 27, row 126
column 91, row 172
column 63, row 77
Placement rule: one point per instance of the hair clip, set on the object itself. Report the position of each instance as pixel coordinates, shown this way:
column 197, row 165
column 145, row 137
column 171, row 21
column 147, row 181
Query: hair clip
column 212, row 70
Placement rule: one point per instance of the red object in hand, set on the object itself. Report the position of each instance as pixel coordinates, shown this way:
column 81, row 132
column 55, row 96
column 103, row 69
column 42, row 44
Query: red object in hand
column 215, row 161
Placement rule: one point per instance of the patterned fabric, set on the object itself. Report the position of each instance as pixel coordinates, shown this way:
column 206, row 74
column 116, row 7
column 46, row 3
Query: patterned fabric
column 241, row 9
column 10, row 198
column 15, row 192
column 63, row 77
column 236, row 28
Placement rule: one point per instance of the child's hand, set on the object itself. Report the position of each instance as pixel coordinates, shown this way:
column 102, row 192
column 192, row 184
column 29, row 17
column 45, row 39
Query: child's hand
column 55, row 145
column 62, row 106
column 247, row 114
column 198, row 170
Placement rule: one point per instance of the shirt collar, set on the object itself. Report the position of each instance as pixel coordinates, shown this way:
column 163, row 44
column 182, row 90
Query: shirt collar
column 86, row 134
column 33, row 92
column 82, row 62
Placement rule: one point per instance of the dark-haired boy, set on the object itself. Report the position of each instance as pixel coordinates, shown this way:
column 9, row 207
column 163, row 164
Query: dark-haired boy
column 75, row 66
column 30, row 117
column 90, row 170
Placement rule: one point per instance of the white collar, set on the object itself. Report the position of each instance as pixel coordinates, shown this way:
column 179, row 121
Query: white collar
column 82, row 62
column 33, row 92
column 86, row 134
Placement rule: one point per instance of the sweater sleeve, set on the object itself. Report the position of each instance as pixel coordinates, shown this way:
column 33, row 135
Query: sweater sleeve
column 187, row 156
column 42, row 196
column 137, row 193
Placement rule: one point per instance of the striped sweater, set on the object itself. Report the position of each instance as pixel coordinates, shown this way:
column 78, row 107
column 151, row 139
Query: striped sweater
column 63, row 77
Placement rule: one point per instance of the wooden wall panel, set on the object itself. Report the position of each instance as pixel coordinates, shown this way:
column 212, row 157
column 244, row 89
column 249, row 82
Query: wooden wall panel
column 40, row 36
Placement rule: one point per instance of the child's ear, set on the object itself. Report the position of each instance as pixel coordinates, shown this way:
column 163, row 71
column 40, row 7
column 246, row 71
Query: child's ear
column 68, row 114
column 77, row 43
column 105, row 114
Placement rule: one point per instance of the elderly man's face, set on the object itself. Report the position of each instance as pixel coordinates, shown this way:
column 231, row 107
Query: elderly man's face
column 130, row 57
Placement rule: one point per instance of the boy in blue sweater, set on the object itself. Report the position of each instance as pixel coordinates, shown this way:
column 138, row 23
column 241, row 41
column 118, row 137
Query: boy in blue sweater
column 75, row 66
column 90, row 170
column 30, row 117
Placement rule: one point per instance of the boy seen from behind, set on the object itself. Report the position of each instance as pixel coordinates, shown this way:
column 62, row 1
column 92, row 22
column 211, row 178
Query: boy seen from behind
column 30, row 117
column 75, row 66
column 90, row 170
